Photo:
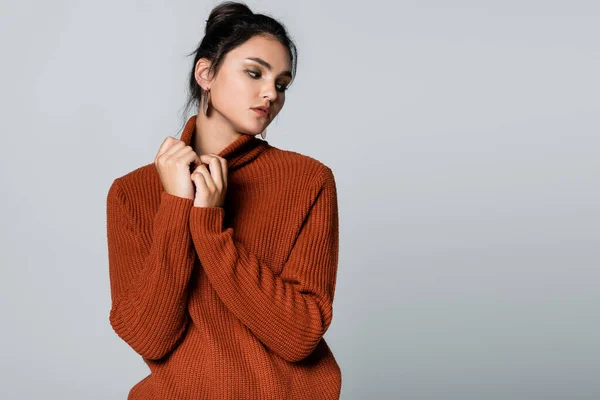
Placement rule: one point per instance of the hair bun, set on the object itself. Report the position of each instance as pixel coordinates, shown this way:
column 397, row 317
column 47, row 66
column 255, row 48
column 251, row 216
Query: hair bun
column 226, row 10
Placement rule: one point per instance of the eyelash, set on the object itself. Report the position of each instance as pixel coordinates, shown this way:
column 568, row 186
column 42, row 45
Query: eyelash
column 256, row 77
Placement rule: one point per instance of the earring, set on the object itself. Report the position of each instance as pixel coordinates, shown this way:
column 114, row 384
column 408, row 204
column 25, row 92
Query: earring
column 206, row 101
column 263, row 134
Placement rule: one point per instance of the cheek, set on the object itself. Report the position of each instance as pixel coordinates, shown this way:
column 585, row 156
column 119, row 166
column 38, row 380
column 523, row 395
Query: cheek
column 235, row 94
column 279, row 104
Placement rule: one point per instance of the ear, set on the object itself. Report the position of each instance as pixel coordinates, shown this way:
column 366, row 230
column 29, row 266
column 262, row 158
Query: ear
column 201, row 73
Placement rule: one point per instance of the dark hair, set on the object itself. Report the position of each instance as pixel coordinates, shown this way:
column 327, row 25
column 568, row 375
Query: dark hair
column 228, row 26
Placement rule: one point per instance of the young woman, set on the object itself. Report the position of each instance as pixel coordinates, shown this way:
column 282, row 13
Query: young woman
column 223, row 252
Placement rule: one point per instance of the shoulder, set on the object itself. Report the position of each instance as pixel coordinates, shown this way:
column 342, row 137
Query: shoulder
column 140, row 184
column 299, row 167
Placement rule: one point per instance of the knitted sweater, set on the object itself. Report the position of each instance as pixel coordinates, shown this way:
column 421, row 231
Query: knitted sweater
column 228, row 302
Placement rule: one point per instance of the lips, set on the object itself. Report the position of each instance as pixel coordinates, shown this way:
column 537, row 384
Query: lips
column 262, row 111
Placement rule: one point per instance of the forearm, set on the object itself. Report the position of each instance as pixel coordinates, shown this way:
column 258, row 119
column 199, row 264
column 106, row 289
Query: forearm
column 149, row 284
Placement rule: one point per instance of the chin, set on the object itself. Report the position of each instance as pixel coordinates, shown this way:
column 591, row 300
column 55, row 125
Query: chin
column 255, row 129
column 250, row 129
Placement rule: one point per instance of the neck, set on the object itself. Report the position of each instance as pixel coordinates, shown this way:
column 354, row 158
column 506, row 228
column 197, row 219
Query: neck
column 212, row 134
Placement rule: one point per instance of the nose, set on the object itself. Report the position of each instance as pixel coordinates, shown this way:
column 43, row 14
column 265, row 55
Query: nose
column 270, row 92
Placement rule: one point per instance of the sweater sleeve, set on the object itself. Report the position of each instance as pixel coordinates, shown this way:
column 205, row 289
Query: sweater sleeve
column 288, row 313
column 148, row 281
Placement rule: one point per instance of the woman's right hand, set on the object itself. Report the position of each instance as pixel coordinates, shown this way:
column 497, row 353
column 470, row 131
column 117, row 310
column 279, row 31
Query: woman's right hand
column 173, row 165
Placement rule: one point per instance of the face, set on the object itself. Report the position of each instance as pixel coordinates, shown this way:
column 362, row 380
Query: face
column 253, row 74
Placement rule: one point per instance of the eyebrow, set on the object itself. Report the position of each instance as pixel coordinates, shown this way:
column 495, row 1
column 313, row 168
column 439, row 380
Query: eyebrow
column 268, row 66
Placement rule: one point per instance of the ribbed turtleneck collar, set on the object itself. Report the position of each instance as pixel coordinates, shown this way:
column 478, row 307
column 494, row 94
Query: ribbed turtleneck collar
column 239, row 152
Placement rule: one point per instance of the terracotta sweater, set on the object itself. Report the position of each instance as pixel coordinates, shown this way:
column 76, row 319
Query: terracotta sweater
column 228, row 302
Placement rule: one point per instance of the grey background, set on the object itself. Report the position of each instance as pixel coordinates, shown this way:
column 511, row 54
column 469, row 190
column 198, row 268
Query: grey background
column 464, row 137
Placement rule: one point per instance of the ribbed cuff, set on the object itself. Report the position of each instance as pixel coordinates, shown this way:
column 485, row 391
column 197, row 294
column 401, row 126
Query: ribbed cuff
column 206, row 219
column 173, row 210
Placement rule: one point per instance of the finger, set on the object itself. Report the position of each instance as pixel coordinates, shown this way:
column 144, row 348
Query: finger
column 175, row 148
column 166, row 144
column 225, row 170
column 202, row 173
column 187, row 155
column 216, row 168
column 198, row 179
column 172, row 150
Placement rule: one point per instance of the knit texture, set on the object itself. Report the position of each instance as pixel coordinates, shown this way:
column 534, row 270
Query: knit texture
column 228, row 302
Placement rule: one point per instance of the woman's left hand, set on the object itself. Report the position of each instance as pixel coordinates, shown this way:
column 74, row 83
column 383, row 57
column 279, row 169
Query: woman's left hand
column 211, row 186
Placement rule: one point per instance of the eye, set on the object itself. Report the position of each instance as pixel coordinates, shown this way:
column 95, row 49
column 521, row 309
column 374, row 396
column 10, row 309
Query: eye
column 280, row 88
column 253, row 72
